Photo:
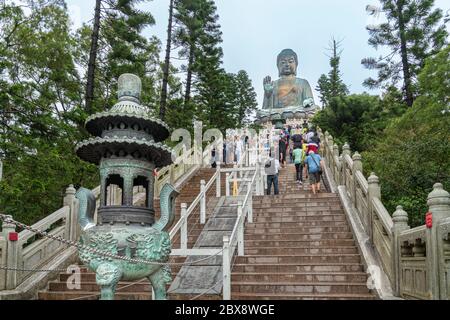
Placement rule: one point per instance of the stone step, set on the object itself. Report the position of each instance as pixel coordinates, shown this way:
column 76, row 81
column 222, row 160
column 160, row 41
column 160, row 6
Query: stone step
column 302, row 277
column 295, row 213
column 305, row 229
column 298, row 267
column 324, row 258
column 306, row 224
column 299, row 287
column 298, row 243
column 141, row 286
column 299, row 203
column 300, row 236
column 79, row 295
column 297, row 296
column 281, row 208
column 90, row 276
column 281, row 198
column 300, row 250
column 330, row 218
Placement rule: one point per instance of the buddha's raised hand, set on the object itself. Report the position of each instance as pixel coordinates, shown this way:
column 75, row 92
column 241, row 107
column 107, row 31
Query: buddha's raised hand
column 268, row 85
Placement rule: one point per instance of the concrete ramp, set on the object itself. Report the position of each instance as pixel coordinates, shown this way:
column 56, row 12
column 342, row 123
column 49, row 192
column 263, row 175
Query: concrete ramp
column 206, row 276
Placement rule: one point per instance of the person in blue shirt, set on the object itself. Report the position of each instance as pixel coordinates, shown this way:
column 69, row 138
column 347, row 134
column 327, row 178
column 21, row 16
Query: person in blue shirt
column 314, row 166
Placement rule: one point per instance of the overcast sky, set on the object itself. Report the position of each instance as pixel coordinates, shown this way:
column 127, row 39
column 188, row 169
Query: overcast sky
column 255, row 31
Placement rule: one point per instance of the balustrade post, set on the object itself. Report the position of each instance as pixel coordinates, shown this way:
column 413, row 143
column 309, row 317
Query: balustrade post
column 203, row 202
column 184, row 232
column 240, row 231
column 72, row 227
column 338, row 164
column 218, row 181
column 227, row 184
column 226, row 270
column 439, row 206
column 329, row 153
column 400, row 219
column 12, row 255
column 357, row 166
column 374, row 191
column 345, row 151
column 335, row 165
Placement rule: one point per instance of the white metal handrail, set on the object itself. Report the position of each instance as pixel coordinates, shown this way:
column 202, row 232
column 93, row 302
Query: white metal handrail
column 187, row 212
column 236, row 239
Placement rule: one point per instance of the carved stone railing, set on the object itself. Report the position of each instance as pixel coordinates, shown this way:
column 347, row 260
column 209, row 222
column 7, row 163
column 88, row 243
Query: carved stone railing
column 24, row 252
column 416, row 262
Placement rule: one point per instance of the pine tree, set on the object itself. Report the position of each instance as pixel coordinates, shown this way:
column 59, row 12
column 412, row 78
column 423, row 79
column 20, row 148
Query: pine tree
column 412, row 33
column 198, row 34
column 166, row 67
column 116, row 46
column 246, row 98
column 332, row 85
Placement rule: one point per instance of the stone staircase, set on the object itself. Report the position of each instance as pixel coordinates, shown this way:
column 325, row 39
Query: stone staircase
column 141, row 290
column 300, row 246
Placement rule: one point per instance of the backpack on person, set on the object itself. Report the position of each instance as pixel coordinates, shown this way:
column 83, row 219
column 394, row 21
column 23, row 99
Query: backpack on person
column 298, row 156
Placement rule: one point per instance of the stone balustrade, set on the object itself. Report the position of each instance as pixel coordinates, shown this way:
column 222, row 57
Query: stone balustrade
column 415, row 261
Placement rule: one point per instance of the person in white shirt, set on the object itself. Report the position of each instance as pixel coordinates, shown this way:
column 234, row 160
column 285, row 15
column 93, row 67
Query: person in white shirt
column 272, row 168
column 309, row 135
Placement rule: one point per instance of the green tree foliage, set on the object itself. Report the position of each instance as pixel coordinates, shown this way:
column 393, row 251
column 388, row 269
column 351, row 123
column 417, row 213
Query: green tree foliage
column 43, row 76
column 246, row 98
column 332, row 85
column 413, row 154
column 412, row 33
column 39, row 97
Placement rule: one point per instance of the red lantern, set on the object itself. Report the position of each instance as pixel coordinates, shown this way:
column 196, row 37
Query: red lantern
column 13, row 236
column 429, row 220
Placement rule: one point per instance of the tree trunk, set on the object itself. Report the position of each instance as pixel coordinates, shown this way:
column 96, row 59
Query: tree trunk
column 92, row 59
column 187, row 94
column 163, row 102
column 404, row 53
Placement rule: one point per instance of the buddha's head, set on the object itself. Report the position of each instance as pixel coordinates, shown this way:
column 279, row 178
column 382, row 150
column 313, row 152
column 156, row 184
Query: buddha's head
column 287, row 63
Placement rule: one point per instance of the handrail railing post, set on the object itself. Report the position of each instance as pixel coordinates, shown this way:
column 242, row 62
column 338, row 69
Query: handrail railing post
column 438, row 202
column 241, row 221
column 262, row 180
column 184, row 233
column 373, row 191
column 203, row 202
column 226, row 272
column 12, row 256
column 400, row 220
column 72, row 226
column 227, row 185
column 218, row 181
column 235, row 173
column 247, row 160
column 250, row 206
column 257, row 184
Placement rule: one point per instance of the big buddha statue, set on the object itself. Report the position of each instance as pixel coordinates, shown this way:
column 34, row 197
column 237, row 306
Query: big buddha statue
column 288, row 97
